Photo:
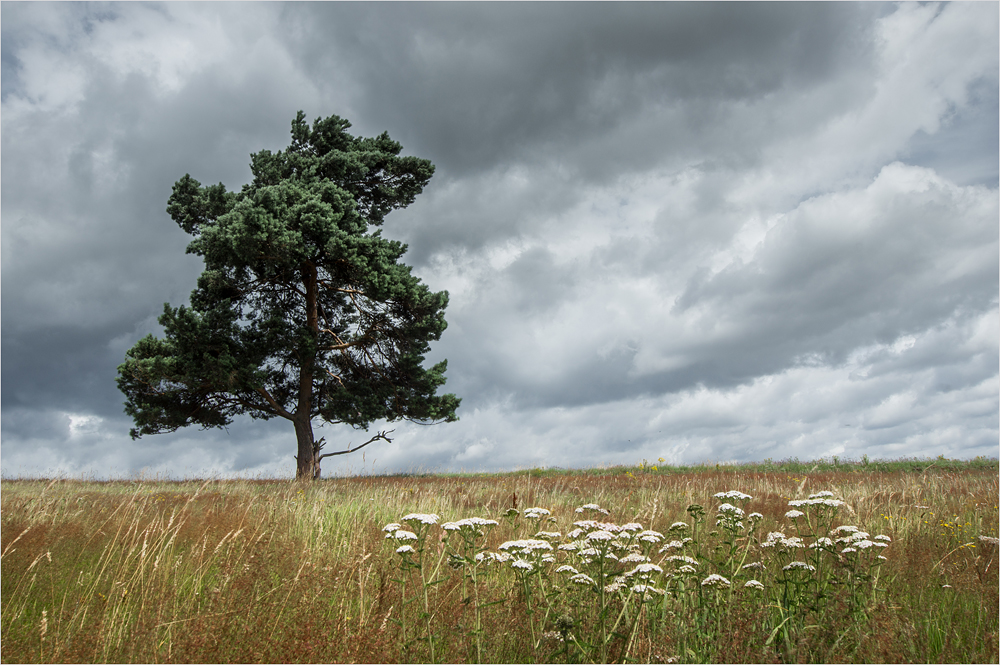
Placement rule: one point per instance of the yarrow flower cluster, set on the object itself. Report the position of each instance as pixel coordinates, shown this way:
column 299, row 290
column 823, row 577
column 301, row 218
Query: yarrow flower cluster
column 675, row 545
column 730, row 509
column 535, row 513
column 593, row 507
column 627, row 563
column 781, row 542
column 397, row 532
column 799, row 565
column 472, row 523
column 821, row 499
column 525, row 546
column 422, row 518
column 733, row 495
column 716, row 581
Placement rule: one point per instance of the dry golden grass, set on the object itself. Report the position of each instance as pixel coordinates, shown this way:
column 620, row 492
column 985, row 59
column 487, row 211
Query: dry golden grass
column 274, row 571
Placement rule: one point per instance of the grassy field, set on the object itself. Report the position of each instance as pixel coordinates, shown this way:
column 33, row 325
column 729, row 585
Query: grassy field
column 876, row 562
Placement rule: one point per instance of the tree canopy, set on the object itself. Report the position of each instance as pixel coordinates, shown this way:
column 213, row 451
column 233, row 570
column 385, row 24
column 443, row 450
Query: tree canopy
column 303, row 310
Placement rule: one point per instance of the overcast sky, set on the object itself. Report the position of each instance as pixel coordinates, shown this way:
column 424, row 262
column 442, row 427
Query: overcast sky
column 699, row 232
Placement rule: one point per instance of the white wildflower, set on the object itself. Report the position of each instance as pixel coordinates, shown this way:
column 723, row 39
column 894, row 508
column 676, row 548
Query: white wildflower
column 843, row 529
column 567, row 569
column 728, row 508
column 402, row 534
column 525, row 546
column 794, row 514
column 471, row 523
column 889, row 540
column 733, row 494
column 523, row 565
column 499, row 557
column 848, row 550
column 582, row 578
column 678, row 526
column 593, row 507
column 647, row 588
column 756, row 565
column 423, row 518
column 479, row 521
column 600, row 535
column 617, row 585
column 821, row 542
column 799, row 565
column 821, row 495
column 753, row 584
column 715, row 580
column 392, row 528
column 632, row 526
column 535, row 513
column 405, row 549
column 687, row 570
column 682, row 559
column 644, row 569
column 548, row 535
column 672, row 545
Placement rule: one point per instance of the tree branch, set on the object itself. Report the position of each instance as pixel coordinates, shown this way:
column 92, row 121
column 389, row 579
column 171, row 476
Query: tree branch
column 278, row 409
column 380, row 435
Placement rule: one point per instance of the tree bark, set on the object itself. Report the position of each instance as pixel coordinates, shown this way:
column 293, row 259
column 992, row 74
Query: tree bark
column 307, row 467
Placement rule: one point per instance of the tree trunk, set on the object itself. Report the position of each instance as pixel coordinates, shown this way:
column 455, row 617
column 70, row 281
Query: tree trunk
column 307, row 466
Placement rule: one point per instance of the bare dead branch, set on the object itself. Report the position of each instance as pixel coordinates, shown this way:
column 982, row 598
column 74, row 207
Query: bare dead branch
column 380, row 435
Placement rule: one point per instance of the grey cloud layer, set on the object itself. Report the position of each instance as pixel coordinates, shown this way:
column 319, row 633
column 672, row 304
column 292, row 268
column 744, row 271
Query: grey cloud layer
column 697, row 231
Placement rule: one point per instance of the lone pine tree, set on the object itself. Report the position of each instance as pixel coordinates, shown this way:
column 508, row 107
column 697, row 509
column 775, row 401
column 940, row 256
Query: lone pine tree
column 303, row 310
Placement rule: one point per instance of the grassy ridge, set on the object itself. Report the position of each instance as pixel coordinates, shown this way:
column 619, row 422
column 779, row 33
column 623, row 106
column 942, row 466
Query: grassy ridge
column 272, row 571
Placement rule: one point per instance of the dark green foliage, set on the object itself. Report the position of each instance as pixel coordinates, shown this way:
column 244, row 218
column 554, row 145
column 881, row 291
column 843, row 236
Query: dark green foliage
column 303, row 309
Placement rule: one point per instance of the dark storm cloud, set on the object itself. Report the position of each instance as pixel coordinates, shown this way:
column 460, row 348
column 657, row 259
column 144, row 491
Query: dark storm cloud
column 482, row 84
column 690, row 230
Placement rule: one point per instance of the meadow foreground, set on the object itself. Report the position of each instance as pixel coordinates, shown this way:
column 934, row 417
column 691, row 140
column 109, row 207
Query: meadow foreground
column 885, row 562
